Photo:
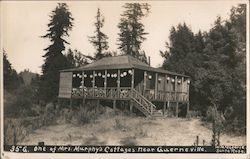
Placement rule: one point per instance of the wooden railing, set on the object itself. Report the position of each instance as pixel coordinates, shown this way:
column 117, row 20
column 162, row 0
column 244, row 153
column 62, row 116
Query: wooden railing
column 140, row 102
column 125, row 92
column 101, row 92
column 143, row 103
column 166, row 96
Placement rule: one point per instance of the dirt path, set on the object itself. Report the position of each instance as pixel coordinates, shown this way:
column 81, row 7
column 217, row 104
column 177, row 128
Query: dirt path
column 124, row 130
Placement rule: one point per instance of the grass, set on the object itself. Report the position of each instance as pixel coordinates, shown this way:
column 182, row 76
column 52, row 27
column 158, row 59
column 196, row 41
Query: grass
column 130, row 130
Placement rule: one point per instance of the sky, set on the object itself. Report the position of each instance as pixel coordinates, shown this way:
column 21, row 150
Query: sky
column 24, row 22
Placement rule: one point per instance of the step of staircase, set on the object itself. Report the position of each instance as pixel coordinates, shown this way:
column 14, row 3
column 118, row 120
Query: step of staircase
column 157, row 113
column 143, row 104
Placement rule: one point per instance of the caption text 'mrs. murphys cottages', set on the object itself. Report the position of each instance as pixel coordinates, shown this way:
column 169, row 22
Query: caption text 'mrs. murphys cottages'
column 126, row 149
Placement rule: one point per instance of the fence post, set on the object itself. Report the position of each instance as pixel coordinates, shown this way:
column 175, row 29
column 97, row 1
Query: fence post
column 197, row 140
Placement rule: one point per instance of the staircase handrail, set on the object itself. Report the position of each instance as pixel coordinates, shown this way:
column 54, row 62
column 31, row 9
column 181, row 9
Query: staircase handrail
column 144, row 98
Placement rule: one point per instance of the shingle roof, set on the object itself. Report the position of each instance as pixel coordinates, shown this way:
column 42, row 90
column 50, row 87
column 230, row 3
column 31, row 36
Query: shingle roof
column 119, row 62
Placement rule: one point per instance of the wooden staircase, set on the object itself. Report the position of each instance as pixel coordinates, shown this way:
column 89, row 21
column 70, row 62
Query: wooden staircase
column 143, row 104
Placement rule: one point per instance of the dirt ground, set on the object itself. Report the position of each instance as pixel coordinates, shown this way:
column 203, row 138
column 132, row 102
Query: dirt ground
column 129, row 130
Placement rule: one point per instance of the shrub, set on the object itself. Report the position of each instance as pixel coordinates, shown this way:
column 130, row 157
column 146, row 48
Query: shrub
column 217, row 119
column 20, row 103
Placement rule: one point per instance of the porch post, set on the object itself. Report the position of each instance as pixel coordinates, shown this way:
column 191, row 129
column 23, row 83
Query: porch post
column 175, row 88
column 182, row 93
column 93, row 83
column 118, row 82
column 83, row 84
column 132, row 79
column 188, row 97
column 144, row 82
column 156, row 84
column 165, row 87
column 105, row 82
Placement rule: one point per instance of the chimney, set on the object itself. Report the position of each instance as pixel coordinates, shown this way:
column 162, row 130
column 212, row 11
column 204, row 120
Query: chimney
column 149, row 60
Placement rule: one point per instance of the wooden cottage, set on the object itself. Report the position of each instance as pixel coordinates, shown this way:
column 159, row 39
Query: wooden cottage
column 150, row 91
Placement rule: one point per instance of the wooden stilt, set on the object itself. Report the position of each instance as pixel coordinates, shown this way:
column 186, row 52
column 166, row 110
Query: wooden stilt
column 177, row 109
column 71, row 102
column 114, row 104
column 83, row 102
column 168, row 106
column 187, row 108
column 98, row 104
column 131, row 106
column 164, row 108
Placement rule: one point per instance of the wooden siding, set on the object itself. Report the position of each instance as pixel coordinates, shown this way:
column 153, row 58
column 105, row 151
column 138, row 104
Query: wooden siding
column 65, row 85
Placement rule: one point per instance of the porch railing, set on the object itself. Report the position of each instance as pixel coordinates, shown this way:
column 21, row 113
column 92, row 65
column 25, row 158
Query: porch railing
column 125, row 92
column 166, row 96
column 101, row 92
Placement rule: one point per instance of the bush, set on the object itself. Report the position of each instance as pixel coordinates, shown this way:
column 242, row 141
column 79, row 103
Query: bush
column 217, row 119
column 20, row 103
column 85, row 114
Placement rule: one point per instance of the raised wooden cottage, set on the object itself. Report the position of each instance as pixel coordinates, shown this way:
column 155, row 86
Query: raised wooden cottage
column 150, row 91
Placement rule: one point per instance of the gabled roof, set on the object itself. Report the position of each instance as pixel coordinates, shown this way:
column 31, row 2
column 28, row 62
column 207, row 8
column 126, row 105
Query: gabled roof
column 119, row 62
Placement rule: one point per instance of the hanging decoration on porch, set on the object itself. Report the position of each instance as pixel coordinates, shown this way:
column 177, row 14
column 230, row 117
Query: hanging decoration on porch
column 124, row 74
column 95, row 74
column 159, row 79
column 103, row 76
column 74, row 75
column 130, row 72
column 188, row 81
column 149, row 77
column 168, row 78
column 85, row 75
column 91, row 76
column 179, row 81
column 108, row 75
column 99, row 74
column 173, row 80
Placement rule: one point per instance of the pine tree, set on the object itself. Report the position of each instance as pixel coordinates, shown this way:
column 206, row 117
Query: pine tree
column 59, row 26
column 99, row 40
column 132, row 32
column 180, row 46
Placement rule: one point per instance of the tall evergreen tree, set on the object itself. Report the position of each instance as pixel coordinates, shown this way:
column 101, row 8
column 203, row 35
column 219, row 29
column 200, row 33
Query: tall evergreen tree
column 180, row 46
column 184, row 55
column 216, row 63
column 99, row 40
column 132, row 31
column 59, row 26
